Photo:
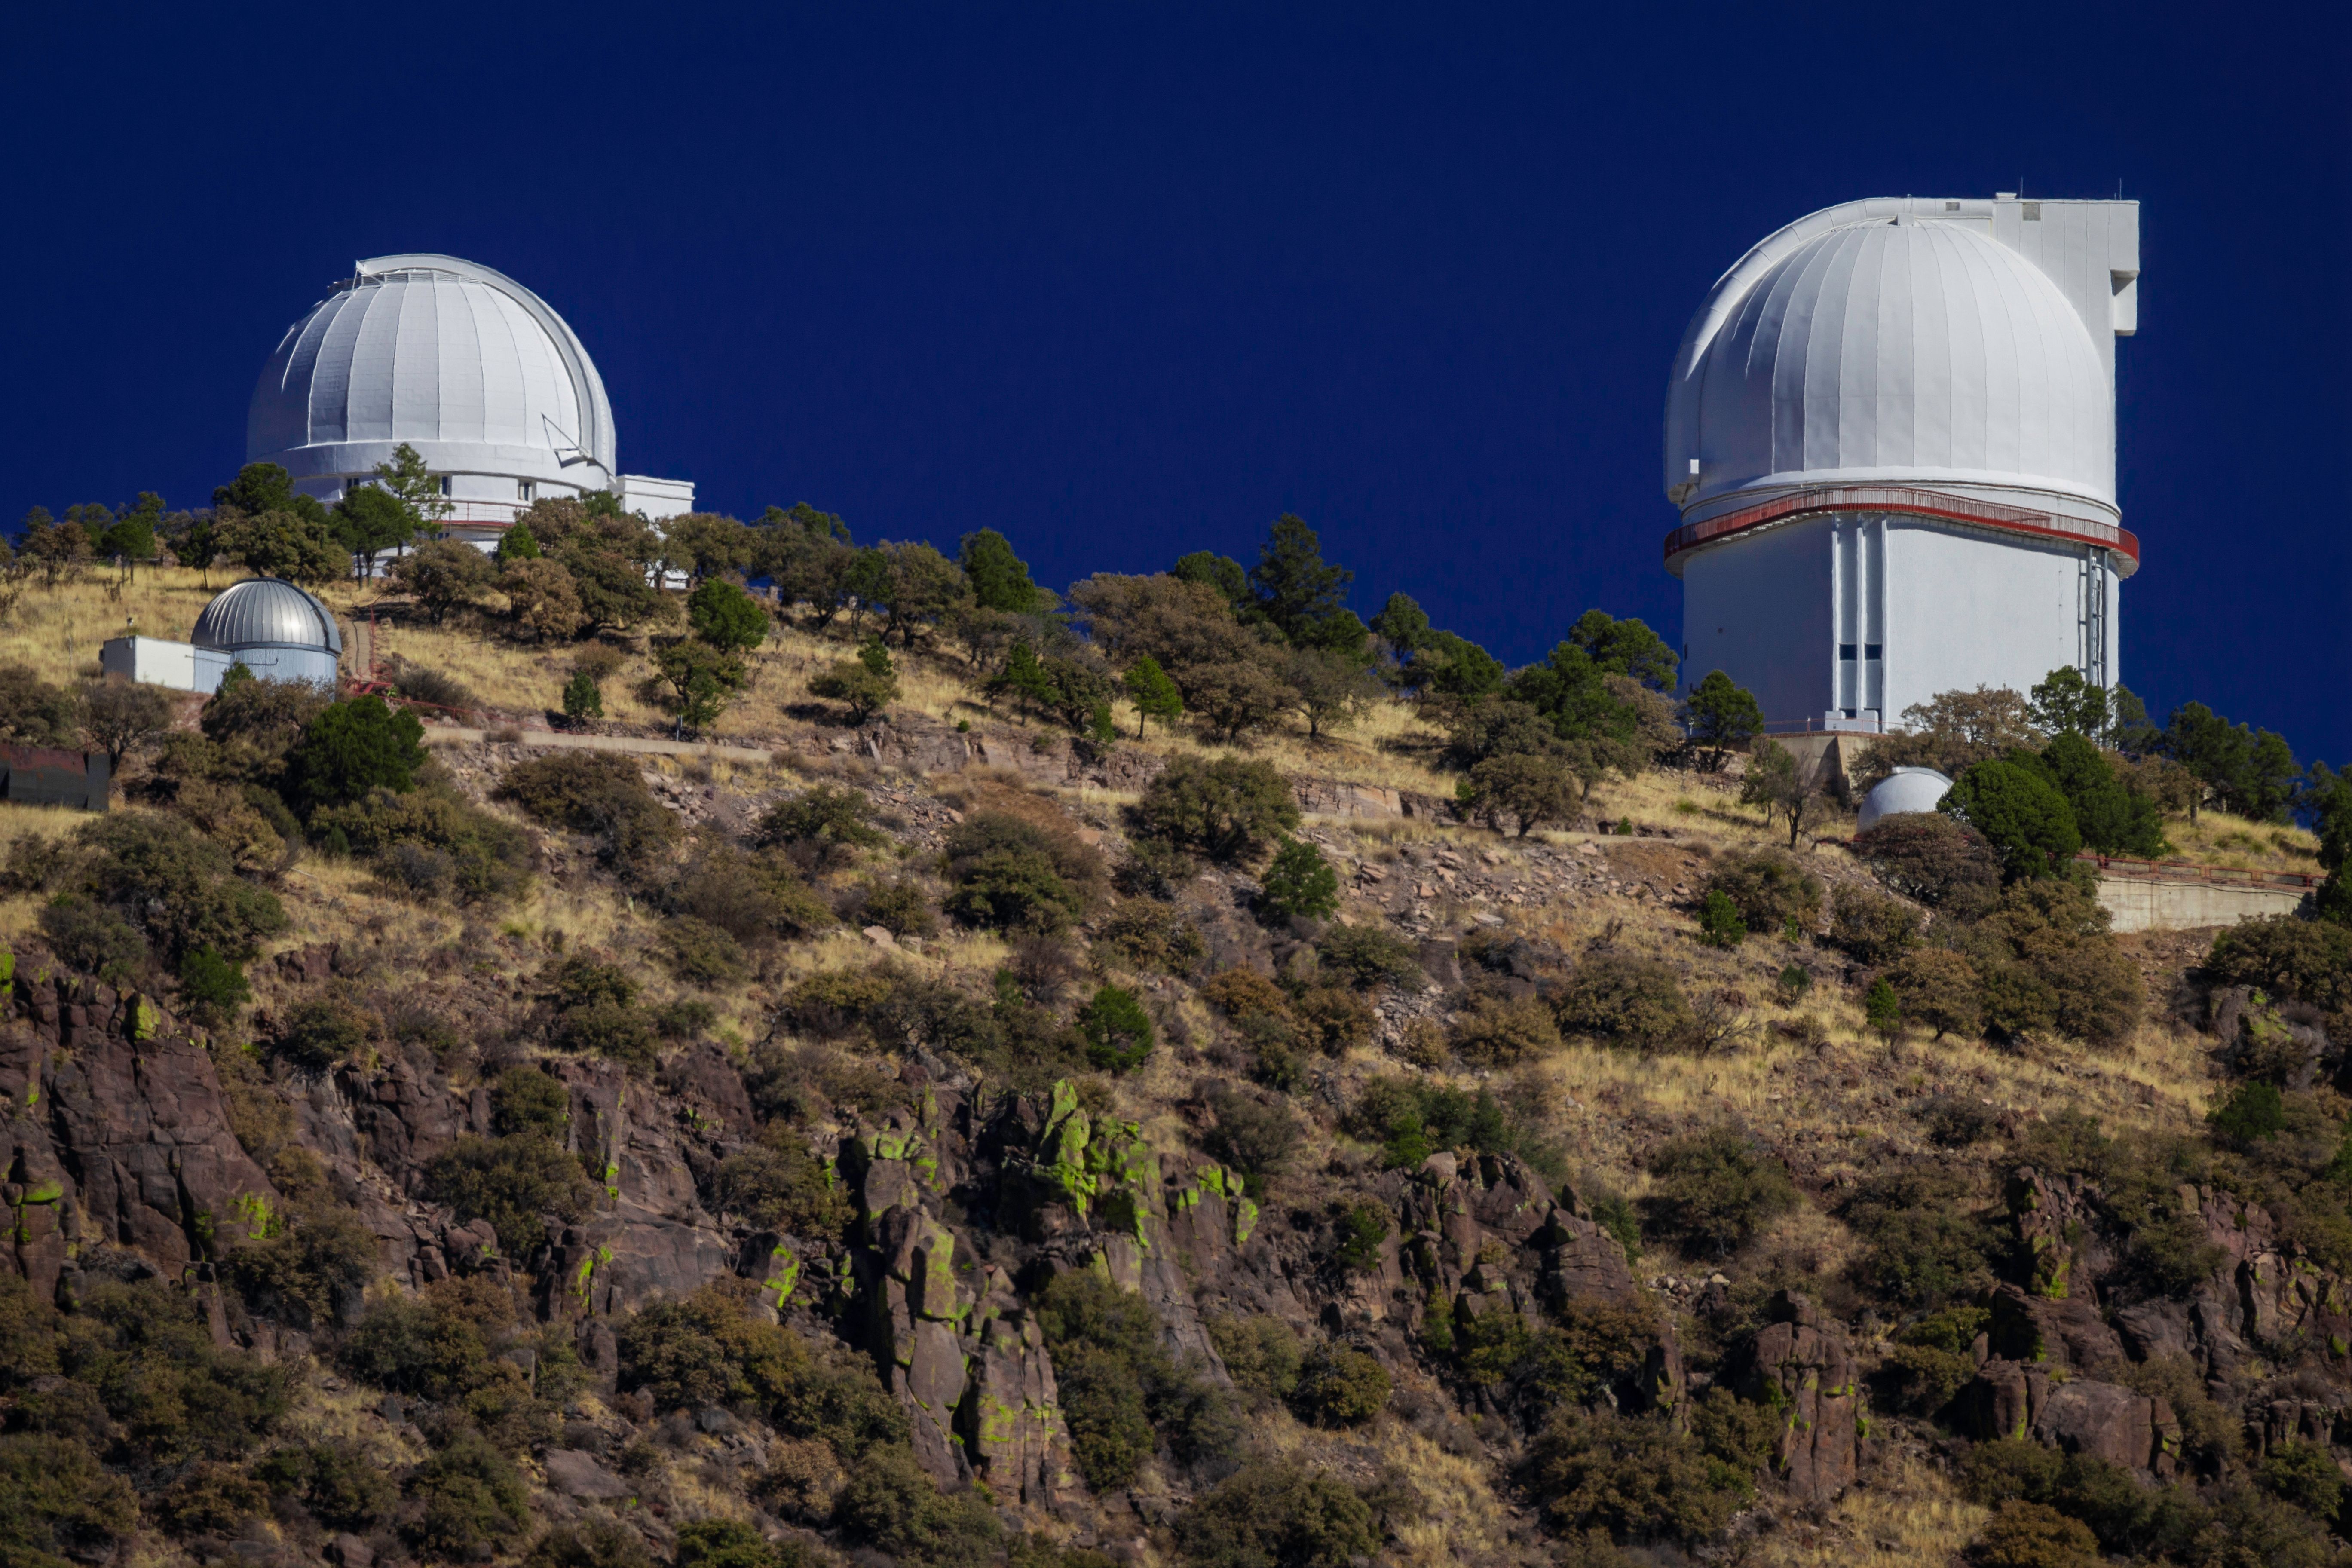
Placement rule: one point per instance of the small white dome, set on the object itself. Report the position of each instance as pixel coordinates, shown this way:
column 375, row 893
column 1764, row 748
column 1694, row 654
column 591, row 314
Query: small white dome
column 459, row 361
column 1905, row 789
column 1894, row 350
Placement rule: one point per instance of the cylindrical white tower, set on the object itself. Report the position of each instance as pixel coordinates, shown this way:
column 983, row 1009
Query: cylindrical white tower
column 1890, row 434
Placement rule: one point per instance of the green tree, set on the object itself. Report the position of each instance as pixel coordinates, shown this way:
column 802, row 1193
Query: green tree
column 131, row 538
column 1118, row 1030
column 58, row 552
column 1303, row 596
column 726, row 617
column 919, row 586
column 2067, row 704
column 369, row 520
column 517, row 543
column 265, row 486
column 1329, row 688
column 2020, row 813
column 2110, row 818
column 1300, row 881
column 353, row 747
column 1777, row 783
column 1454, row 666
column 2250, row 774
column 583, row 698
column 703, row 544
column 117, row 715
column 1882, row 1008
column 1403, row 624
column 1221, row 573
column 999, row 579
column 2328, row 797
column 1533, row 787
column 195, row 543
column 1154, row 695
column 405, row 478
column 1625, row 647
column 867, row 683
column 702, row 676
column 1026, row 676
column 1722, row 717
column 443, row 575
column 283, row 544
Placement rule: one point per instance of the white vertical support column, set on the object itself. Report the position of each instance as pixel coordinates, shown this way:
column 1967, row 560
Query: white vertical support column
column 1842, row 614
column 1873, row 698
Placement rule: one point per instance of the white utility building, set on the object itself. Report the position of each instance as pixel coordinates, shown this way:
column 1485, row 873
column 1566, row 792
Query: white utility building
column 276, row 630
column 1890, row 432
column 489, row 386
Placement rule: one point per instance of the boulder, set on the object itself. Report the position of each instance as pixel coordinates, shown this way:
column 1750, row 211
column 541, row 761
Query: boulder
column 577, row 1473
column 1802, row 1363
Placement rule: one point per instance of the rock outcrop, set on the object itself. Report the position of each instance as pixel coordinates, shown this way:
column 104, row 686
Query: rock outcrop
column 1802, row 1364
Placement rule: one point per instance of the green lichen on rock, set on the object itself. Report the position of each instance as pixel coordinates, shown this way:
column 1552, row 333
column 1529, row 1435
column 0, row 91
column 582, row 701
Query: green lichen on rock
column 1062, row 1153
column 1245, row 1220
column 260, row 1221
column 783, row 1274
column 145, row 1019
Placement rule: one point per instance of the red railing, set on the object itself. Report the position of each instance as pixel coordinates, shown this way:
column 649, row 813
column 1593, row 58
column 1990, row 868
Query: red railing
column 2189, row 871
column 1908, row 502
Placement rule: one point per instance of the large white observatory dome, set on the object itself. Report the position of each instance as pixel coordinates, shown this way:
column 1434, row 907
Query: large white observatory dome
column 1907, row 351
column 1891, row 436
column 476, row 373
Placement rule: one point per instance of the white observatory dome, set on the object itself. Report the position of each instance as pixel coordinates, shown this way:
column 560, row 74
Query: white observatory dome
column 1899, row 350
column 1903, row 789
column 461, row 363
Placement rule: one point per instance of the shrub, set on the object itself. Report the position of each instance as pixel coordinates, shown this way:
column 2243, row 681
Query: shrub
column 1300, row 881
column 511, row 1181
column 892, row 1504
column 1010, row 872
column 865, row 685
column 2020, row 813
column 1882, row 1008
column 1717, row 1189
column 708, row 1351
column 1358, row 1234
column 1872, row 927
column 2288, row 958
column 1719, row 924
column 1153, row 935
column 754, row 899
column 780, row 1185
column 1939, row 989
column 1254, row 1137
column 726, row 617
column 2047, row 960
column 1412, row 1121
column 1118, row 1030
column 1924, row 1241
column 900, row 908
column 2034, row 1535
column 583, row 699
column 1771, row 891
column 1626, row 1000
column 2304, row 1475
column 212, row 988
column 177, row 885
column 317, row 1034
column 339, row 1482
column 824, row 814
column 2253, row 1112
column 1631, row 1476
column 1271, row 1512
column 322, row 1256
column 56, row 1503
column 597, row 794
column 353, row 747
column 1339, row 1386
column 1335, row 1021
column 1494, row 1031
column 473, row 1499
column 527, row 1100
column 1120, row 1389
column 1927, row 857
column 1791, row 984
column 1226, row 809
column 1262, row 1353
column 598, row 1543
column 700, row 954
column 92, row 938
column 1368, row 955
column 432, row 843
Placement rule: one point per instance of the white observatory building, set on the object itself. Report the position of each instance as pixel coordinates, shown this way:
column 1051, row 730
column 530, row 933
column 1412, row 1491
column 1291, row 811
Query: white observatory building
column 489, row 386
column 1891, row 433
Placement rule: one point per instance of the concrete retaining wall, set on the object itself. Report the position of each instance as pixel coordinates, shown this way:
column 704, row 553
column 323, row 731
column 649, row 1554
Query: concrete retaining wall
column 2153, row 895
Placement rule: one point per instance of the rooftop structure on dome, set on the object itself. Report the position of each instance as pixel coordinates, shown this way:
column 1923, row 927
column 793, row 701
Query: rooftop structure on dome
column 273, row 628
column 1890, row 431
column 489, row 386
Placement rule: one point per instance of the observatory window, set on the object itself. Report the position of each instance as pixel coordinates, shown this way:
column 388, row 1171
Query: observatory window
column 524, row 489
column 1846, row 650
column 2032, row 213
column 1951, row 206
column 1872, row 649
column 448, row 485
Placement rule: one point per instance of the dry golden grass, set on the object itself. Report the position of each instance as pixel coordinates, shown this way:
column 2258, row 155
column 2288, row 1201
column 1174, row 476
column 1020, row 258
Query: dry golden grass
column 58, row 631
column 2218, row 838
column 18, row 911
column 1908, row 1517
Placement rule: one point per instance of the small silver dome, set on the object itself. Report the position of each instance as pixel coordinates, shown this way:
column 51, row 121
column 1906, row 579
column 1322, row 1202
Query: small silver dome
column 266, row 612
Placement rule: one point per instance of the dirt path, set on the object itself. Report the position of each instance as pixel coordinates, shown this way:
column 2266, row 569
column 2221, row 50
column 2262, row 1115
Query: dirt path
column 459, row 735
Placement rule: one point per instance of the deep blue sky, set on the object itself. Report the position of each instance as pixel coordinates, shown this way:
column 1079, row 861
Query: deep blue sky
column 1124, row 281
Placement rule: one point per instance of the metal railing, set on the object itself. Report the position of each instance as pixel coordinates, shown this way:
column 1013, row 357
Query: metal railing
column 1907, row 502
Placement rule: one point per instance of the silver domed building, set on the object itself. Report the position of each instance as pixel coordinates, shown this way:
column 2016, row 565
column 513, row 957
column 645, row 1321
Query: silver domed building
column 476, row 373
column 1890, row 434
column 273, row 628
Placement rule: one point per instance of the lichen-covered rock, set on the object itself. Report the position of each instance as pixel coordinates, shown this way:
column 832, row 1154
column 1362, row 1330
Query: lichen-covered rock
column 1802, row 1364
column 1010, row 1420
